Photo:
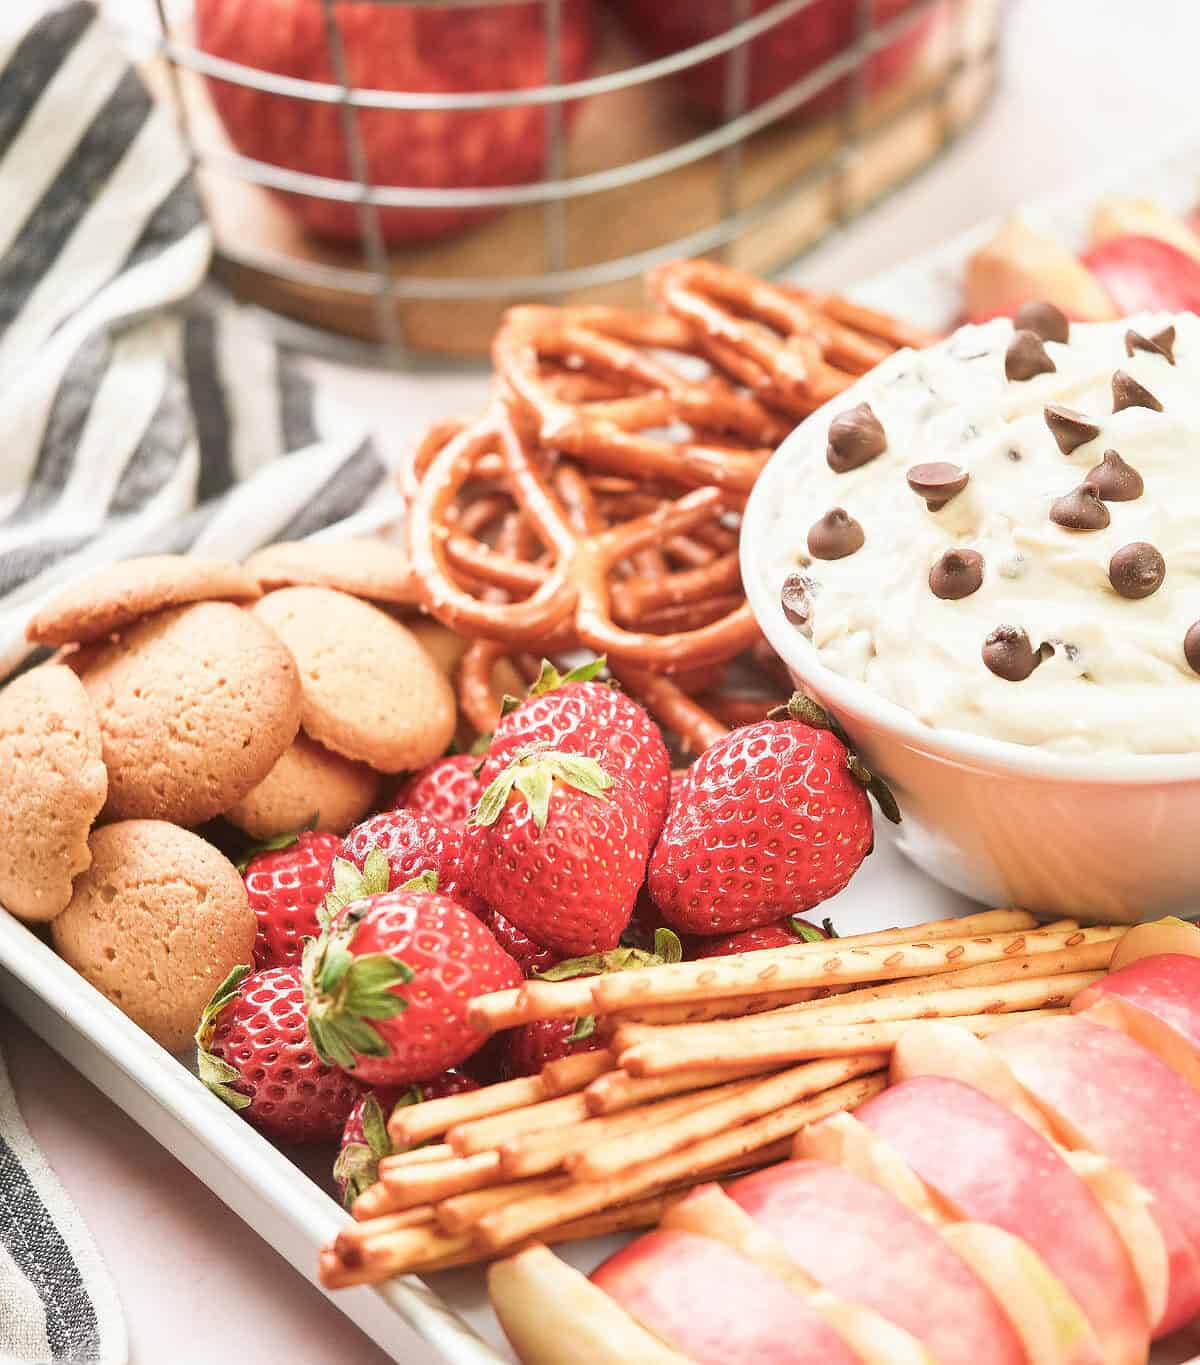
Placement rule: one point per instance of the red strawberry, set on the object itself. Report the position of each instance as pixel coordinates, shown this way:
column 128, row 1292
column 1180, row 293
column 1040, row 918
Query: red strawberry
column 413, row 844
column 388, row 985
column 445, row 791
column 531, row 1046
column 558, row 845
column 784, row 933
column 365, row 1139
column 773, row 819
column 571, row 712
column 254, row 1052
column 285, row 884
column 531, row 957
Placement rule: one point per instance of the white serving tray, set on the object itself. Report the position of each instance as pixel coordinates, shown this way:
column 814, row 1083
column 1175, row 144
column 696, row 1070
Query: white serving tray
column 448, row 1319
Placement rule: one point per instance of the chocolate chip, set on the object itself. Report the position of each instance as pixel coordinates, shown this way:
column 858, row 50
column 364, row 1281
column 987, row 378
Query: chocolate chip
column 1115, row 480
column 1048, row 322
column 855, row 438
column 1128, row 393
column 937, row 482
column 957, row 574
column 1191, row 646
column 1015, row 455
column 795, row 601
column 1080, row 510
column 835, row 536
column 1161, row 343
column 1069, row 428
column 1009, row 655
column 1137, row 570
column 1026, row 357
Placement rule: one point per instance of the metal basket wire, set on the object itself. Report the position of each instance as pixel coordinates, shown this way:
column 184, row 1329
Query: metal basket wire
column 388, row 282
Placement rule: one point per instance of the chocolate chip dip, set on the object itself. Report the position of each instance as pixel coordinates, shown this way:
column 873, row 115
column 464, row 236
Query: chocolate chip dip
column 1002, row 533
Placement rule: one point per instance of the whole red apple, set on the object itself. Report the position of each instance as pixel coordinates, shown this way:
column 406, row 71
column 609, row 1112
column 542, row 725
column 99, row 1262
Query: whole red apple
column 781, row 56
column 392, row 47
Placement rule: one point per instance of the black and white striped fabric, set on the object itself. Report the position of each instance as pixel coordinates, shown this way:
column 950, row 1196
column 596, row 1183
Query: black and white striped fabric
column 140, row 410
column 57, row 1302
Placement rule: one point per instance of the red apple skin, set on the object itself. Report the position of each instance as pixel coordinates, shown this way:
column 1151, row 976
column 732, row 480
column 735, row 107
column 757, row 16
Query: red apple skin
column 1165, row 989
column 1146, row 274
column 1105, row 1092
column 860, row 1242
column 779, row 58
column 391, row 47
column 994, row 1168
column 716, row 1306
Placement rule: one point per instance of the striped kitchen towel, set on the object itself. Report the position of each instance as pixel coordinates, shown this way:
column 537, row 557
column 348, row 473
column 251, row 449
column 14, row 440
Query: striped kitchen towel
column 57, row 1303
column 140, row 410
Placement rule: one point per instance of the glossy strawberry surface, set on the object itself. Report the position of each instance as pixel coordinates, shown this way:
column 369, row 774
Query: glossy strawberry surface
column 285, row 888
column 445, row 791
column 263, row 1034
column 784, row 933
column 531, row 1046
column 412, row 844
column 531, row 957
column 770, row 822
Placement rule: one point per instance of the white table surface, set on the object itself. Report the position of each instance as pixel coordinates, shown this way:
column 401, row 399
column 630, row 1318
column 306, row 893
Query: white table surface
column 1088, row 82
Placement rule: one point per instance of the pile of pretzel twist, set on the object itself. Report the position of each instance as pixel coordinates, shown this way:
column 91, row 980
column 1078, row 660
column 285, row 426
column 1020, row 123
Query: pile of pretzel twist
column 596, row 502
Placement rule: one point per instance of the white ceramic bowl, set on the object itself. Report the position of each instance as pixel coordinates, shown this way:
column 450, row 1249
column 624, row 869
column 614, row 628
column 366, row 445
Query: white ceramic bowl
column 1114, row 838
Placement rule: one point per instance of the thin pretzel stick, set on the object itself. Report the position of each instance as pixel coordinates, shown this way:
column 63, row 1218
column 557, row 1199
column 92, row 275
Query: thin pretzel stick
column 833, row 964
column 780, row 1046
column 416, row 1122
column 689, row 551
column 411, row 1185
column 851, row 1008
column 686, row 619
column 537, row 1153
column 738, row 1105
column 484, row 564
column 486, row 1134
column 697, row 1011
column 352, row 1237
column 423, row 1156
column 639, row 595
column 569, row 1074
column 894, row 331
column 463, row 1211
column 566, row 999
column 619, row 1090
column 529, row 1216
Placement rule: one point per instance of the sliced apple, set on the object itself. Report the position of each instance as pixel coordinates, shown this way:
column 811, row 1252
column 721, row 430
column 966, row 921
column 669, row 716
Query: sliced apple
column 1126, row 216
column 1143, row 274
column 1051, row 1325
column 1018, row 266
column 863, row 1245
column 1104, row 1092
column 709, row 1212
column 938, row 1047
column 551, row 1313
column 1154, row 938
column 716, row 1306
column 994, row 1168
column 1156, row 1001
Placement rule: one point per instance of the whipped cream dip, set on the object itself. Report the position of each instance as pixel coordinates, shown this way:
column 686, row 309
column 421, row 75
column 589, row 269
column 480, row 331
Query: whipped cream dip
column 1001, row 533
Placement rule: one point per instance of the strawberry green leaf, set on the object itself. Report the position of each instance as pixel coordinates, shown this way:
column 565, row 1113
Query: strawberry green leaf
column 376, row 873
column 357, row 1168
column 375, row 1128
column 494, row 799
column 216, row 1073
column 423, row 881
column 218, row 1076
column 226, row 992
column 667, row 946
column 479, row 747
column 508, row 704
column 549, row 678
column 347, row 880
column 277, row 842
column 807, row 933
column 335, row 964
column 535, row 785
column 583, row 1028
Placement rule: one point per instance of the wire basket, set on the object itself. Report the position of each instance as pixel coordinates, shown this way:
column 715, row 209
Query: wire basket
column 629, row 178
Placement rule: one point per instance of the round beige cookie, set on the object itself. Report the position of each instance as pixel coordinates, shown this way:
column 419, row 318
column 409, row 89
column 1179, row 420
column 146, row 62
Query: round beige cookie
column 156, row 924
column 195, row 706
column 308, row 780
column 54, row 787
column 370, row 691
column 368, row 566
column 116, row 596
column 443, row 645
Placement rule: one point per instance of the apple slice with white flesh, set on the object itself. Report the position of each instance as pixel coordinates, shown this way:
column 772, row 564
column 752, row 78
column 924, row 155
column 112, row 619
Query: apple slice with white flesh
column 1090, row 1081
column 711, row 1303
column 709, row 1212
column 992, row 1167
column 1051, row 1325
column 1156, row 1000
column 863, row 1245
column 1019, row 266
column 1125, row 216
column 943, row 1048
column 551, row 1313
